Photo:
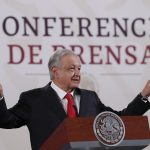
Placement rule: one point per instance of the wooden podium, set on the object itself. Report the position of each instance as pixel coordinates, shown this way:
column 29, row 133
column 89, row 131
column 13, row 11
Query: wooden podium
column 77, row 134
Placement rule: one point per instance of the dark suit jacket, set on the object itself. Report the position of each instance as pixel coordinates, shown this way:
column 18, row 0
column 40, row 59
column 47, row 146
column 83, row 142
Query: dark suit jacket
column 40, row 109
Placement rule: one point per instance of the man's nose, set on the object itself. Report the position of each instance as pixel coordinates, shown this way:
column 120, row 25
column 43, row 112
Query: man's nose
column 77, row 72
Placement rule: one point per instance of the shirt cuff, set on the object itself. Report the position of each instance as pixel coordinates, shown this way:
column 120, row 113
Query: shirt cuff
column 144, row 98
column 1, row 98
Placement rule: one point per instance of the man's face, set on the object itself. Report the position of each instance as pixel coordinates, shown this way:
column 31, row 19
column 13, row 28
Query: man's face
column 67, row 75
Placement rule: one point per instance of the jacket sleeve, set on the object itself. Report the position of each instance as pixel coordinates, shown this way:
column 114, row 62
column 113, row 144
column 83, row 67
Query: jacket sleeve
column 16, row 116
column 134, row 108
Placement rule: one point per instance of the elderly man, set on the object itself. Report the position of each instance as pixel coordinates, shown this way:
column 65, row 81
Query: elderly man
column 43, row 109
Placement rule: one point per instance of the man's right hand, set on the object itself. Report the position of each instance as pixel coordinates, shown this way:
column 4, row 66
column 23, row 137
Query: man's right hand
column 146, row 90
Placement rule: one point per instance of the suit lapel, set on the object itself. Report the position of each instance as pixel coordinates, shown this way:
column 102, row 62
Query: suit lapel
column 82, row 109
column 53, row 103
column 82, row 105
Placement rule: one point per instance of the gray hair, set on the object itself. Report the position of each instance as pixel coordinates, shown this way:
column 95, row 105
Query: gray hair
column 56, row 58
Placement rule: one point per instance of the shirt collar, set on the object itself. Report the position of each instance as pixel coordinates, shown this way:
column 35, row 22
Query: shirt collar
column 61, row 93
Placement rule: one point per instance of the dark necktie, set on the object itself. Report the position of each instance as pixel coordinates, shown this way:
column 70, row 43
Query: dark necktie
column 71, row 111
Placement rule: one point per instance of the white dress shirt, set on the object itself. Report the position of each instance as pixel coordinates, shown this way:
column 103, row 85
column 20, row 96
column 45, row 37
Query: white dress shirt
column 61, row 93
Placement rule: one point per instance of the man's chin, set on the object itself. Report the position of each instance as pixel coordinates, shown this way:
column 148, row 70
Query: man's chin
column 75, row 85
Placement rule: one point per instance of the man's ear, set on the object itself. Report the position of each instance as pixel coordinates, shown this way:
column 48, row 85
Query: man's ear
column 54, row 70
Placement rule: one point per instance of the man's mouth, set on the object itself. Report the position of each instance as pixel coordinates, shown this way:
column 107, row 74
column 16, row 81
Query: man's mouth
column 76, row 80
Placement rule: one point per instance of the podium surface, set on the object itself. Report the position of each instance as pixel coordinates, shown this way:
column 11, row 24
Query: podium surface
column 78, row 134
